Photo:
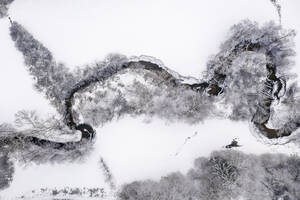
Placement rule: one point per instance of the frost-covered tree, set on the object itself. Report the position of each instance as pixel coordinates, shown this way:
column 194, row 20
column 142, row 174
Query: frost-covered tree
column 4, row 7
column 107, row 174
column 51, row 78
column 278, row 8
column 225, row 175
column 6, row 170
column 248, row 79
column 248, row 74
column 250, row 70
column 174, row 186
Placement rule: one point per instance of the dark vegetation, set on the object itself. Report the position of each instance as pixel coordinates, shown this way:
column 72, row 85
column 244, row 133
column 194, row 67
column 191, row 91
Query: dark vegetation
column 225, row 175
column 250, row 72
column 4, row 4
column 66, row 193
column 249, row 76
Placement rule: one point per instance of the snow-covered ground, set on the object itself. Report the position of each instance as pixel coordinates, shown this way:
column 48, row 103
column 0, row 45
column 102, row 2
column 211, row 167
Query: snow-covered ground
column 180, row 33
column 146, row 150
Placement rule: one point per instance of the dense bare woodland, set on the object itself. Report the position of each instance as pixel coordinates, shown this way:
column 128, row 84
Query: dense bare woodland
column 225, row 175
column 249, row 79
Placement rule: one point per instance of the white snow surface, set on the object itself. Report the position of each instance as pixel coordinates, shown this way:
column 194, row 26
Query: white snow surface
column 180, row 33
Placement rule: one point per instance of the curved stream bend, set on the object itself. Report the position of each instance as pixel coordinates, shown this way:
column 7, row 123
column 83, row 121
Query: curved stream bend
column 86, row 129
column 38, row 57
column 211, row 87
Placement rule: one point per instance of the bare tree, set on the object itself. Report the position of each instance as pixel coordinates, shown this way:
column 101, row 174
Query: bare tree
column 249, row 74
column 224, row 175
